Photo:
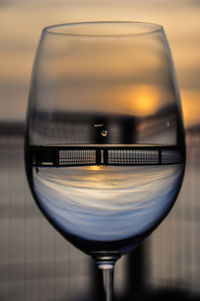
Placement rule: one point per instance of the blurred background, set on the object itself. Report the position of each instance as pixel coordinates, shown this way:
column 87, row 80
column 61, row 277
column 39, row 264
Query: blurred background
column 36, row 263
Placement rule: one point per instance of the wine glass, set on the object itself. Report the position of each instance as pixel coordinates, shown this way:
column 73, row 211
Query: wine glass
column 104, row 145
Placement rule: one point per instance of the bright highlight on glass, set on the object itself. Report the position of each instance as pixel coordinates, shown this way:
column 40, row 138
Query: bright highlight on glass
column 104, row 148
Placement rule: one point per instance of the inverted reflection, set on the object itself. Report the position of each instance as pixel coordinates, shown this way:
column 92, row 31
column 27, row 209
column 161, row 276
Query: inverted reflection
column 109, row 202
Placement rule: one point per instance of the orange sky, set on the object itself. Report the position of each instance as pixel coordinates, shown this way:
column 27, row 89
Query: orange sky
column 21, row 23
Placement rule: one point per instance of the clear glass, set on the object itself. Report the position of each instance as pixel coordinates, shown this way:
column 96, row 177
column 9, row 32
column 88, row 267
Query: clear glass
column 104, row 146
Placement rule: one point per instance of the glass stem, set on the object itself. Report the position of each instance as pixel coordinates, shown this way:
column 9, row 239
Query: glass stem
column 106, row 266
column 107, row 273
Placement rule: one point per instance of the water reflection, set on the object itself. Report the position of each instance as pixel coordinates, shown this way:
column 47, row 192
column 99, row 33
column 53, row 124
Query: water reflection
column 109, row 203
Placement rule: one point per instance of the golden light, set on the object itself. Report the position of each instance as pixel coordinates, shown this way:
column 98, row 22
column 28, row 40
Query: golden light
column 143, row 99
column 94, row 167
column 191, row 108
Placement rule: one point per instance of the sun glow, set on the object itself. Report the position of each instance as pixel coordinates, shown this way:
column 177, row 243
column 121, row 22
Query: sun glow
column 143, row 99
column 94, row 167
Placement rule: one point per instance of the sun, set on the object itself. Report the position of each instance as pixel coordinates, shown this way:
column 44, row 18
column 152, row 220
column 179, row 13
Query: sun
column 143, row 100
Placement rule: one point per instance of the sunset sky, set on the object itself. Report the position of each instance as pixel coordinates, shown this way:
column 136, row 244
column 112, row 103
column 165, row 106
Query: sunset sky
column 21, row 23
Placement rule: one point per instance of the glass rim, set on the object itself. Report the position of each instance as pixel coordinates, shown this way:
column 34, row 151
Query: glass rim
column 146, row 28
